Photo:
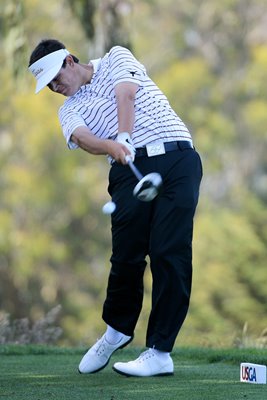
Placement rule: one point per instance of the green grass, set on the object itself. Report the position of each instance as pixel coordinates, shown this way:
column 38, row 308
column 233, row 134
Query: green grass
column 40, row 372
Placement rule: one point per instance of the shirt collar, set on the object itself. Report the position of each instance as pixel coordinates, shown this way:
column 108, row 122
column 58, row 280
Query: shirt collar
column 96, row 64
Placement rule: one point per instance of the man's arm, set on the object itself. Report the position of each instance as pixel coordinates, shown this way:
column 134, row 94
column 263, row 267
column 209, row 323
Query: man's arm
column 125, row 97
column 87, row 141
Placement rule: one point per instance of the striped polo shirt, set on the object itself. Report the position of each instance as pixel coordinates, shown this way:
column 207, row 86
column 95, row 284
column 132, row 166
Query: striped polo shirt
column 94, row 104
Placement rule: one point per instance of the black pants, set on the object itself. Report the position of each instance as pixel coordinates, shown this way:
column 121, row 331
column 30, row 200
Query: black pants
column 161, row 229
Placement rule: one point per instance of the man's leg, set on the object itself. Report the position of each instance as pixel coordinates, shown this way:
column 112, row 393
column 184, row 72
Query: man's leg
column 130, row 238
column 171, row 261
column 171, row 250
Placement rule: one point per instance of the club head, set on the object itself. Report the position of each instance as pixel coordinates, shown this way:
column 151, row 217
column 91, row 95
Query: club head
column 148, row 187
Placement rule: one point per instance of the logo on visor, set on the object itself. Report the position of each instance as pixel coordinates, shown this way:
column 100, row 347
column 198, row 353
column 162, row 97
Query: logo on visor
column 37, row 72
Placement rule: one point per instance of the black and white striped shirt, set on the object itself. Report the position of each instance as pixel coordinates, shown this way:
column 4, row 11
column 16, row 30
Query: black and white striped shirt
column 94, row 105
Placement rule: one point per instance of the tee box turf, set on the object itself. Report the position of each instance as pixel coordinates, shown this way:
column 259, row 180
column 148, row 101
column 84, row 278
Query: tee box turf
column 252, row 373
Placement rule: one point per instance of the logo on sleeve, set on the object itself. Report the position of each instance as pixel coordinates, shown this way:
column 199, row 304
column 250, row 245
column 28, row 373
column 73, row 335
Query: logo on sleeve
column 133, row 73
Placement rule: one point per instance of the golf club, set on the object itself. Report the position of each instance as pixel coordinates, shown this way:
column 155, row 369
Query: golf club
column 148, row 186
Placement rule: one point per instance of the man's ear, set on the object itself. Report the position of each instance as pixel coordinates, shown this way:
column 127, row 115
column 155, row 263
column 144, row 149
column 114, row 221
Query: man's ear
column 69, row 60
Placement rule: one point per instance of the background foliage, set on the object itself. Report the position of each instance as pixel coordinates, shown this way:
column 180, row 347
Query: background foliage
column 210, row 58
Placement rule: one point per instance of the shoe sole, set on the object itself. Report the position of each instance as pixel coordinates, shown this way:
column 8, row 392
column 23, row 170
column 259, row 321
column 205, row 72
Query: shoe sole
column 141, row 376
column 104, row 366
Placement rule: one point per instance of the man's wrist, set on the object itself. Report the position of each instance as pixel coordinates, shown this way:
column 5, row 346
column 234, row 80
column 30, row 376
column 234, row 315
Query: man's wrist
column 124, row 134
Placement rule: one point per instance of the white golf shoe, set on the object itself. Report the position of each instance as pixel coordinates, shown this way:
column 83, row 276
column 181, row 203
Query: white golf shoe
column 98, row 356
column 147, row 364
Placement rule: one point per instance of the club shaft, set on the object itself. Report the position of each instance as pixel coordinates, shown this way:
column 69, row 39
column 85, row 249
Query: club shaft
column 136, row 172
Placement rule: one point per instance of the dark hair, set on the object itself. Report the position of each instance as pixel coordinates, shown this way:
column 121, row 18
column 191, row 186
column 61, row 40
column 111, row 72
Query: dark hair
column 45, row 47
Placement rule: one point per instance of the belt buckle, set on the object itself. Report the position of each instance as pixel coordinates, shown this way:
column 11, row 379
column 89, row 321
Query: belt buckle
column 155, row 149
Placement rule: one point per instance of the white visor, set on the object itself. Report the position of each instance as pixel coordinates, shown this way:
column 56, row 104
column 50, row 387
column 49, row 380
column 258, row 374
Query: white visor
column 45, row 69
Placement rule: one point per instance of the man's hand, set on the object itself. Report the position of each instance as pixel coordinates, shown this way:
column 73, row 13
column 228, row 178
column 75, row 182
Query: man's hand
column 117, row 151
column 125, row 139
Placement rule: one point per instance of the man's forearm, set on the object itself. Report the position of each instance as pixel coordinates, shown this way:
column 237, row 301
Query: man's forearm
column 88, row 142
column 93, row 145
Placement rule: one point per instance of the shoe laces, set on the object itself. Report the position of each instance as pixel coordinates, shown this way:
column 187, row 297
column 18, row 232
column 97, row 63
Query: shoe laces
column 100, row 346
column 146, row 355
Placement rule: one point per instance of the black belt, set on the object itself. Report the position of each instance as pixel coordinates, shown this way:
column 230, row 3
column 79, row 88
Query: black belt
column 169, row 146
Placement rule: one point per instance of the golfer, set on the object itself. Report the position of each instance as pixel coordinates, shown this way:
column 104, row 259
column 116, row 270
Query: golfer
column 113, row 108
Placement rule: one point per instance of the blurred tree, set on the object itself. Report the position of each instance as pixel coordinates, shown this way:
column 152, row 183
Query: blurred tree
column 13, row 43
column 213, row 68
column 53, row 237
column 85, row 11
column 103, row 22
column 210, row 59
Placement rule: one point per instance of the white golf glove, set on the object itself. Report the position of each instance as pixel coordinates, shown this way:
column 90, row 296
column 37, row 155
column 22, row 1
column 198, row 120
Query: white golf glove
column 125, row 138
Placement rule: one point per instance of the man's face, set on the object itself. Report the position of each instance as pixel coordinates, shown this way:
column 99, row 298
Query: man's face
column 66, row 81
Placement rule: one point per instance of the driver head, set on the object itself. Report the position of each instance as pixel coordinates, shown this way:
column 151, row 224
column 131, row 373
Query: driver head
column 148, row 187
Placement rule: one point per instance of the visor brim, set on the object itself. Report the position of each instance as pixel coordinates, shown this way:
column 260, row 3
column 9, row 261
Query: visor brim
column 47, row 77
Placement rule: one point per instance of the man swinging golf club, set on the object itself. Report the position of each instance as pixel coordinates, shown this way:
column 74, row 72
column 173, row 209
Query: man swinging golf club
column 113, row 108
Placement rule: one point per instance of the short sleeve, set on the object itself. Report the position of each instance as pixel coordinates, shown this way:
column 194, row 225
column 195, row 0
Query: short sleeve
column 124, row 67
column 69, row 121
